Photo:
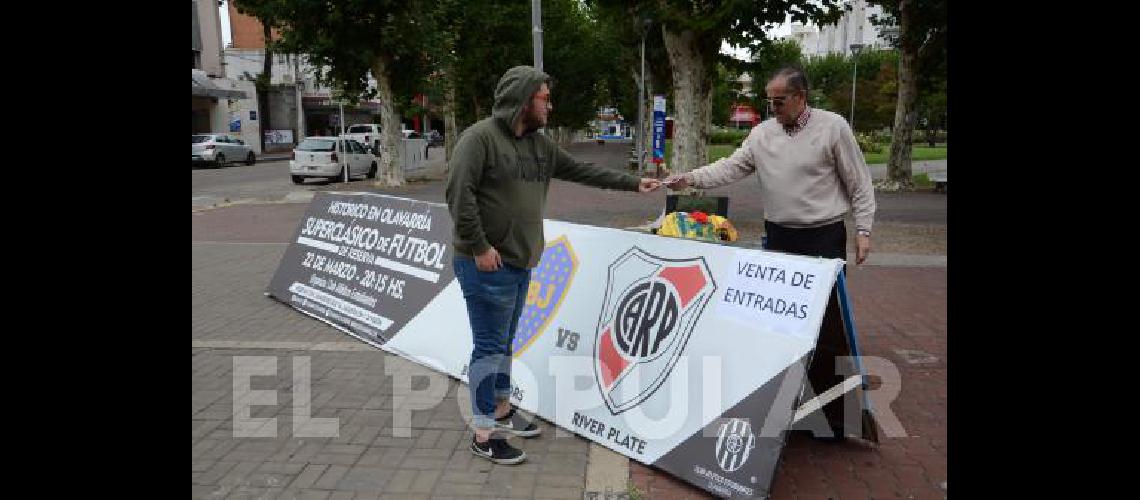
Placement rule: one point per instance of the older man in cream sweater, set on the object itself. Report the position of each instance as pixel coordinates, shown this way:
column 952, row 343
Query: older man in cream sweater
column 811, row 175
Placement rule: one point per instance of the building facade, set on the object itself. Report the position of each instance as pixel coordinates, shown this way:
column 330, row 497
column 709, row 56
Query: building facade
column 299, row 105
column 855, row 27
column 215, row 99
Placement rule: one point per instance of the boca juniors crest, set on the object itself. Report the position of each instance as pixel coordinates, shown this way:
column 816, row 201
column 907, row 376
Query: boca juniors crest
column 549, row 282
column 650, row 309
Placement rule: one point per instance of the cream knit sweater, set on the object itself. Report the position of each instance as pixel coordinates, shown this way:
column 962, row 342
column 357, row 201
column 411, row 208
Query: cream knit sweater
column 807, row 180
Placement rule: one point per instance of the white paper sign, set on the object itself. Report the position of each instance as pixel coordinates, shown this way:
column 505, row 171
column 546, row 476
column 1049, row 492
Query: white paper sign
column 776, row 291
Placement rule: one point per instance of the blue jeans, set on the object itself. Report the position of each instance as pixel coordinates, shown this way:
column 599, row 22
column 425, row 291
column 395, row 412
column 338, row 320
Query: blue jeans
column 494, row 302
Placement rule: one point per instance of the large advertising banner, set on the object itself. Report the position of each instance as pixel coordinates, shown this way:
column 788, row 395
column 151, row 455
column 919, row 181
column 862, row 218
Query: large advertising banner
column 685, row 355
column 366, row 263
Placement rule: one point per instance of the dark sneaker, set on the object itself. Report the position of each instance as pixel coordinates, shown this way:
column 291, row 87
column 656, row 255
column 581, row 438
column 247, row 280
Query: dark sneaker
column 514, row 423
column 498, row 450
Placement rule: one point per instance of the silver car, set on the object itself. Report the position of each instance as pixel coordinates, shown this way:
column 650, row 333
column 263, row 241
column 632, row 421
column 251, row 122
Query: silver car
column 217, row 149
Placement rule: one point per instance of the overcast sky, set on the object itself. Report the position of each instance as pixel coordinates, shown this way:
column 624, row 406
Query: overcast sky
column 774, row 33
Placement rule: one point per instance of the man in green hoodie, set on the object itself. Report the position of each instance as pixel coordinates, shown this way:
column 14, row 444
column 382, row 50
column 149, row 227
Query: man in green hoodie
column 499, row 177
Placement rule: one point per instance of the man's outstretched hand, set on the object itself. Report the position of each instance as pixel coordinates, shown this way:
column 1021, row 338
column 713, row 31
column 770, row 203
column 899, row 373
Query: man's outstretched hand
column 677, row 181
column 648, row 185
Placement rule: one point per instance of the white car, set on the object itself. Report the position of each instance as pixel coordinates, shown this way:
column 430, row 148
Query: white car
column 315, row 157
column 217, row 149
column 367, row 134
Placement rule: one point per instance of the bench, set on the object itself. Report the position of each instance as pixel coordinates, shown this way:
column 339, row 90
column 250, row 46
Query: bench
column 939, row 180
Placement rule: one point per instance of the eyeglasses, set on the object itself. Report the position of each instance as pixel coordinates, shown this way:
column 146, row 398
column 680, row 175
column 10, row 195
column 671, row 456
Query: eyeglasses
column 777, row 101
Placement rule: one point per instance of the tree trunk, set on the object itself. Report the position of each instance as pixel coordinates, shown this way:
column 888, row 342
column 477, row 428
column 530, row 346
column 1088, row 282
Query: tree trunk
column 898, row 167
column 266, row 83
column 390, row 172
column 563, row 136
column 450, row 127
column 693, row 101
column 647, row 126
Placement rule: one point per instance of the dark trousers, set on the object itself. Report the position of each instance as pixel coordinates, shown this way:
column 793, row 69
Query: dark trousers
column 830, row 242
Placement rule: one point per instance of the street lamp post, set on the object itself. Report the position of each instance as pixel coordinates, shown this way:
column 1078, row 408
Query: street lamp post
column 645, row 23
column 536, row 31
column 343, row 146
column 299, row 88
column 536, row 37
column 854, row 56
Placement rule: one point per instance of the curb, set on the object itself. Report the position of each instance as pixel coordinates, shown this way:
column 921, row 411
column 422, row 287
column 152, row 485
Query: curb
column 607, row 472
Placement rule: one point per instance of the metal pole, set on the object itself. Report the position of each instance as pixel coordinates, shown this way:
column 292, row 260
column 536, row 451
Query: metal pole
column 536, row 30
column 344, row 147
column 641, row 109
column 853, row 76
column 855, row 47
column 300, row 102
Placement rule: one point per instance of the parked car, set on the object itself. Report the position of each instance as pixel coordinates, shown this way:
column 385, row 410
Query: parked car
column 217, row 149
column 316, row 157
column 367, row 134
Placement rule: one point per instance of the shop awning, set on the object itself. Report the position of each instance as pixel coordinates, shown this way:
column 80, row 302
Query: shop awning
column 203, row 86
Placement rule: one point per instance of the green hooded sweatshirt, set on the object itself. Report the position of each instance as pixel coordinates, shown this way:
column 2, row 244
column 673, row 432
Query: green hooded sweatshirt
column 497, row 186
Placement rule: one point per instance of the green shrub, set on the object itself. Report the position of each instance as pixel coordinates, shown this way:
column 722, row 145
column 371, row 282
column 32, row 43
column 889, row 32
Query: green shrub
column 868, row 143
column 728, row 136
column 918, row 136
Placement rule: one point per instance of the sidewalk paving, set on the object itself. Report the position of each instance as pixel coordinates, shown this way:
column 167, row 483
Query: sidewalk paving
column 278, row 156
column 232, row 318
